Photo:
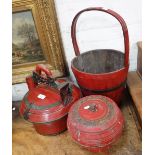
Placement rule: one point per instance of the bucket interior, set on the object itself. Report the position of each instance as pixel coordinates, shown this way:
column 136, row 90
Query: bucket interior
column 99, row 61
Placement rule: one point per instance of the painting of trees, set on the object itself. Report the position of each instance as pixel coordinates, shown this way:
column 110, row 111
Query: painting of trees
column 27, row 32
column 26, row 45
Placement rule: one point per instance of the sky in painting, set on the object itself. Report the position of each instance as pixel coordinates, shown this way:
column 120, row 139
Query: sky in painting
column 17, row 20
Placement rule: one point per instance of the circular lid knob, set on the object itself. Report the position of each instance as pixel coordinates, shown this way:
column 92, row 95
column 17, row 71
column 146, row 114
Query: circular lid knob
column 93, row 109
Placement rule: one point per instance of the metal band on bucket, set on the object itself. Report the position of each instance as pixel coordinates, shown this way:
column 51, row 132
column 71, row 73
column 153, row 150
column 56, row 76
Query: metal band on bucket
column 105, row 90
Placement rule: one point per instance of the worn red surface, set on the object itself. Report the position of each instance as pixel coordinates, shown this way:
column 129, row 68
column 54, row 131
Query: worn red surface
column 95, row 122
column 98, row 82
column 26, row 141
column 44, row 106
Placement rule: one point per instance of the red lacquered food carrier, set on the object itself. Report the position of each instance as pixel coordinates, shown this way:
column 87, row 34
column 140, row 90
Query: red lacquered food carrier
column 95, row 122
column 101, row 71
column 48, row 101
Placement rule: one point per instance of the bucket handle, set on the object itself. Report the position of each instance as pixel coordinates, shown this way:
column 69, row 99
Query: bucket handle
column 114, row 14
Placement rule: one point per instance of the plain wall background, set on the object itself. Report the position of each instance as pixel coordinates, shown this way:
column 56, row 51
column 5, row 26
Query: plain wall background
column 95, row 30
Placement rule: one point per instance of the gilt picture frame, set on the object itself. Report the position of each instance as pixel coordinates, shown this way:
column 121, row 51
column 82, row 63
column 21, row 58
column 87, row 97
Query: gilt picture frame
column 35, row 39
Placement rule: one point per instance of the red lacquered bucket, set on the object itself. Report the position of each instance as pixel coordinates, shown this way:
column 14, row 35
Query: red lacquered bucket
column 48, row 101
column 101, row 71
column 95, row 122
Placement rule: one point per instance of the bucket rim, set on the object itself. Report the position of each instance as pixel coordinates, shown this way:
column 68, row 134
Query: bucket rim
column 97, row 74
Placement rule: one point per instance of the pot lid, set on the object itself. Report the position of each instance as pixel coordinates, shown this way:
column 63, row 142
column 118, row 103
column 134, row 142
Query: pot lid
column 42, row 98
column 94, row 113
column 44, row 104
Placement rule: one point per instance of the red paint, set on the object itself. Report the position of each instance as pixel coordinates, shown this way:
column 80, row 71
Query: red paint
column 95, row 122
column 102, row 81
column 46, row 109
column 54, row 127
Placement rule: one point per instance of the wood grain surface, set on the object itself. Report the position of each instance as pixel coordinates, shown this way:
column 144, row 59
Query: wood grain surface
column 27, row 142
column 134, row 83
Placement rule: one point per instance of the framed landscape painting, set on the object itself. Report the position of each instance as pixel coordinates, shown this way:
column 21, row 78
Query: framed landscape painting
column 26, row 44
column 35, row 38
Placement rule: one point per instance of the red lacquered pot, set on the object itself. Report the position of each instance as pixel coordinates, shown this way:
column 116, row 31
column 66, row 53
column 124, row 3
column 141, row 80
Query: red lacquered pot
column 95, row 122
column 48, row 101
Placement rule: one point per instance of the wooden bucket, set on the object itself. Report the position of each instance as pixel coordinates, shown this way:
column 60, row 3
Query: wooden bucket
column 101, row 71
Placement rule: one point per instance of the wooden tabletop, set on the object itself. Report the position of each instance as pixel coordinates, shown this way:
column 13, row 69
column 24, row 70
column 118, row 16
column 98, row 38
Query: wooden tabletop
column 27, row 142
column 134, row 83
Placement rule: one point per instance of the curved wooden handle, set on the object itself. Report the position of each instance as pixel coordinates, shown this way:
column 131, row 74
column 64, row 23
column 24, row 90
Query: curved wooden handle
column 42, row 68
column 114, row 14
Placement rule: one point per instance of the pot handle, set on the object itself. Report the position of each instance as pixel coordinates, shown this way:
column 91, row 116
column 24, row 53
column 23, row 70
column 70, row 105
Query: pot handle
column 114, row 14
column 42, row 68
column 48, row 79
column 32, row 81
